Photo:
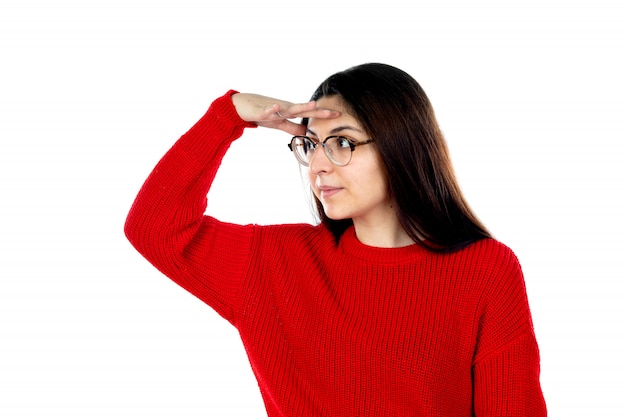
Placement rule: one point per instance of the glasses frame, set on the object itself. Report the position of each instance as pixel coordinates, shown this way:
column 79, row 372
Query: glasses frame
column 316, row 143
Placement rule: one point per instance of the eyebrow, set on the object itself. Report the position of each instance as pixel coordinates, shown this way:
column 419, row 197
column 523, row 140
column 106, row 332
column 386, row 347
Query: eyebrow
column 338, row 129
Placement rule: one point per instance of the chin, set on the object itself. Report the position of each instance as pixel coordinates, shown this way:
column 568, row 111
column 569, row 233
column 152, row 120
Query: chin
column 335, row 215
column 337, row 218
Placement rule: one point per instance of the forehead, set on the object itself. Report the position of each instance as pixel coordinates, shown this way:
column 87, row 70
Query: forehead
column 331, row 102
column 323, row 126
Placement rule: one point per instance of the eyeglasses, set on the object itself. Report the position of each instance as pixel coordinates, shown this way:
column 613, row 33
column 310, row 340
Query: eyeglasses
column 338, row 149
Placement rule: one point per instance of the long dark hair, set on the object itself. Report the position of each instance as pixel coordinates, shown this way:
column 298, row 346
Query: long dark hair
column 394, row 109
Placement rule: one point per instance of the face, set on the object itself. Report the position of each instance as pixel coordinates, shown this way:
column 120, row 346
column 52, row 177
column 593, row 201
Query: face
column 358, row 190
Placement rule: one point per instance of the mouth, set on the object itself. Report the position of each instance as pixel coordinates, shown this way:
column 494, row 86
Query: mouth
column 327, row 191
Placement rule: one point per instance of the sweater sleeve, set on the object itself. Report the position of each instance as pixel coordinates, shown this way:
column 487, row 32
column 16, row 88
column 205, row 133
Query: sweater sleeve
column 166, row 222
column 506, row 383
column 506, row 366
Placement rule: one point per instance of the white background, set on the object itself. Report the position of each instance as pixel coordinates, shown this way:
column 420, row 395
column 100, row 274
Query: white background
column 530, row 94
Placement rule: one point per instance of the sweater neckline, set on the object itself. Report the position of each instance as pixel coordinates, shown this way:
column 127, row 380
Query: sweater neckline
column 354, row 248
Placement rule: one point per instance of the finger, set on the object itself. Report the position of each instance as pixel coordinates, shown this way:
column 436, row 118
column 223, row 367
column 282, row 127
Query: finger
column 320, row 113
column 309, row 110
column 284, row 111
column 276, row 112
column 296, row 109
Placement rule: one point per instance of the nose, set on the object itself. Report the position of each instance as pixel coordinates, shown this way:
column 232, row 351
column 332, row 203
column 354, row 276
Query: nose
column 319, row 162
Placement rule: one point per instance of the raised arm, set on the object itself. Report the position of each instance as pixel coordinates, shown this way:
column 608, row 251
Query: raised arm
column 166, row 223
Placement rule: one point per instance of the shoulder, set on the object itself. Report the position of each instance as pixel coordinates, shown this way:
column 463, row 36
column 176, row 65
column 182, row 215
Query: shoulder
column 491, row 268
column 502, row 313
column 498, row 276
column 282, row 251
column 289, row 237
column 489, row 255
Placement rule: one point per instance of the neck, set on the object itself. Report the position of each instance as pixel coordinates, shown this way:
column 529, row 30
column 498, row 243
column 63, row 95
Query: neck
column 382, row 234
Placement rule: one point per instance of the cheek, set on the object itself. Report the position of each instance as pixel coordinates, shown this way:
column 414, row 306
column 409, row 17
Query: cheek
column 375, row 175
column 377, row 188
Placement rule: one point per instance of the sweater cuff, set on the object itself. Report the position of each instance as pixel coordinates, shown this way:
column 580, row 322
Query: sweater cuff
column 216, row 129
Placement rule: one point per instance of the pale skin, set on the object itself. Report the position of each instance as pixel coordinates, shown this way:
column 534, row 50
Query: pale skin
column 358, row 190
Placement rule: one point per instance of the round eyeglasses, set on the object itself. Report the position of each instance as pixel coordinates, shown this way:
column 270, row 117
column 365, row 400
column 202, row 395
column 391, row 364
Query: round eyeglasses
column 338, row 149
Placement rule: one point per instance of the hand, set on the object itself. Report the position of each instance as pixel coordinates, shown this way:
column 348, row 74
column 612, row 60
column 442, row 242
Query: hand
column 275, row 114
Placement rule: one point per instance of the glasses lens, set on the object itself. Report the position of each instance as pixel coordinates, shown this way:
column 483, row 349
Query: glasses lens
column 338, row 150
column 303, row 149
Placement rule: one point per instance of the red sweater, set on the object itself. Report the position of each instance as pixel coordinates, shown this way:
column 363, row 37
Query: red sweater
column 342, row 329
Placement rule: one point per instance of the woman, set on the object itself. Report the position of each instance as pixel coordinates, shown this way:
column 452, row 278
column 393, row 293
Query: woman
column 399, row 303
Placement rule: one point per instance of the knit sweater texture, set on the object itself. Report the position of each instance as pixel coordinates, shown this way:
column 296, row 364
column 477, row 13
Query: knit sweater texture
column 342, row 329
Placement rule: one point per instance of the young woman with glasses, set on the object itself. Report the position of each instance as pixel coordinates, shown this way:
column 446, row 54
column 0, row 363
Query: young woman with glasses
column 398, row 303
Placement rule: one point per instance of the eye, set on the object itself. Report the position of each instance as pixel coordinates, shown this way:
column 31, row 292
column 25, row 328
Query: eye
column 343, row 142
column 307, row 145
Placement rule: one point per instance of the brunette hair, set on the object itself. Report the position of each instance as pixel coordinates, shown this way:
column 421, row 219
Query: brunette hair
column 395, row 111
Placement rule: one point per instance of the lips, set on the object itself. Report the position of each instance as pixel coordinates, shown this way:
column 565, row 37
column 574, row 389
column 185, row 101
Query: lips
column 327, row 191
